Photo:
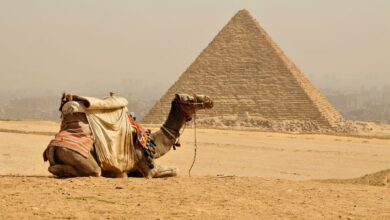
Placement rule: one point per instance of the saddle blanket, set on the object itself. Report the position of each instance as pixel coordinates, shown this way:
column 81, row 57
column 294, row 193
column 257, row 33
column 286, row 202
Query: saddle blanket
column 74, row 134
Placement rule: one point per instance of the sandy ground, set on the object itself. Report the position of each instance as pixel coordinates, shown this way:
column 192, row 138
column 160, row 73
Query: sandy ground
column 237, row 175
column 206, row 197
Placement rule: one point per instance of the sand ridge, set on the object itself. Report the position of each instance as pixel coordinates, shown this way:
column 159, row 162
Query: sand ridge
column 380, row 178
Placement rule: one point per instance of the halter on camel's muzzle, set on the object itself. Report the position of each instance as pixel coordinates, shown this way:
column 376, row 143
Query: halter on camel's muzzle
column 191, row 105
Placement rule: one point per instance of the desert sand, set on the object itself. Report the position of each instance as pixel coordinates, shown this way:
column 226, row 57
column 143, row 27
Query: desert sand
column 237, row 175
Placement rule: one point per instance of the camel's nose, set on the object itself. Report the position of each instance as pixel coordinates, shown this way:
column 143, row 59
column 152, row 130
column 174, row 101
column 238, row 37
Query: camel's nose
column 209, row 102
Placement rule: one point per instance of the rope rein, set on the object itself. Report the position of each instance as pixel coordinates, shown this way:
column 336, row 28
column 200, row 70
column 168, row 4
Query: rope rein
column 195, row 146
column 195, row 138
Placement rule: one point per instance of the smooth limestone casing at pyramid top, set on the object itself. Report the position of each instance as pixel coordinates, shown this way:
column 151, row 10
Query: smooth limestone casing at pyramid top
column 245, row 72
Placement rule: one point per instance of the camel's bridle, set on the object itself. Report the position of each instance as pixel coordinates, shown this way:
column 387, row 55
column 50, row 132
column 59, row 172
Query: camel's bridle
column 173, row 134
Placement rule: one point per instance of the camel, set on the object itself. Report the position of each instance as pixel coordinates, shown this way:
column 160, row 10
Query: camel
column 66, row 163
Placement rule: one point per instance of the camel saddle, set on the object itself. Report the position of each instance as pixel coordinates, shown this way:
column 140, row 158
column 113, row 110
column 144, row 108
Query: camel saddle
column 98, row 125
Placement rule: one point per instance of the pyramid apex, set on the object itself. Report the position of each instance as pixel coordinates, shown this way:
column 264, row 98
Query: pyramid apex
column 243, row 12
column 243, row 15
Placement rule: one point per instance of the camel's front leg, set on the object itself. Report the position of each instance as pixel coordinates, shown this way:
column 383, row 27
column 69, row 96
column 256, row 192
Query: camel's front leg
column 157, row 172
column 163, row 171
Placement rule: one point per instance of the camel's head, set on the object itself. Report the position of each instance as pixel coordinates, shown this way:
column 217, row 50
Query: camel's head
column 183, row 108
column 192, row 103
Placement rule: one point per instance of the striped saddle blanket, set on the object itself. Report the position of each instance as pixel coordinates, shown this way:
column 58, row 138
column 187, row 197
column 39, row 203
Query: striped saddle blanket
column 75, row 134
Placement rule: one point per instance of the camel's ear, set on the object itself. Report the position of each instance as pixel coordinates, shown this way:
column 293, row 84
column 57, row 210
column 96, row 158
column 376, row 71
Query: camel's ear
column 177, row 96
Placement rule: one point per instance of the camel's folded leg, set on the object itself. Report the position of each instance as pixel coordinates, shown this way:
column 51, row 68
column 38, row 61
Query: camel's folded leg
column 62, row 170
column 71, row 164
column 162, row 171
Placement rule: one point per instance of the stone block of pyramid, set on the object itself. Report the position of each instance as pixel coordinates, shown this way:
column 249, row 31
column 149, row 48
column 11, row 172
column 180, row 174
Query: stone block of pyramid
column 250, row 78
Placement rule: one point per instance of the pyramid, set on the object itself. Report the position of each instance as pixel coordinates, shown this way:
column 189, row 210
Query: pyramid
column 250, row 79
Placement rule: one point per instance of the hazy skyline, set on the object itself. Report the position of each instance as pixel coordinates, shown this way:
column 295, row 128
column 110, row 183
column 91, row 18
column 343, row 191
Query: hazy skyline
column 52, row 46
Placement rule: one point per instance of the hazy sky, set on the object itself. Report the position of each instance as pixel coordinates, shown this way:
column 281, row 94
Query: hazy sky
column 53, row 45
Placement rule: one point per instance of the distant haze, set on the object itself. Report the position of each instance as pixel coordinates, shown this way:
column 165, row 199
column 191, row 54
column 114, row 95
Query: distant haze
column 49, row 46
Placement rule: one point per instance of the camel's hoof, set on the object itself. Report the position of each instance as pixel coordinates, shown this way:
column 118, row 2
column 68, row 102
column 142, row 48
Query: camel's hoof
column 174, row 171
column 166, row 172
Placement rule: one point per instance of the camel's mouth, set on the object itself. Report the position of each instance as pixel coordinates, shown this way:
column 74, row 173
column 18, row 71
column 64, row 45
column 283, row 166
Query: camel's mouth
column 197, row 101
column 208, row 102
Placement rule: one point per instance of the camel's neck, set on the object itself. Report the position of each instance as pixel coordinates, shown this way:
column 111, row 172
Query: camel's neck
column 176, row 119
column 163, row 138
